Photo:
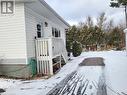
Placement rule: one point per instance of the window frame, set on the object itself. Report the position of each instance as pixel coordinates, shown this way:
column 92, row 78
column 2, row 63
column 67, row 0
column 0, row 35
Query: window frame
column 56, row 32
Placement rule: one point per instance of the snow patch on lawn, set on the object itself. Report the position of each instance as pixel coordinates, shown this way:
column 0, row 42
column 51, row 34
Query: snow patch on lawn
column 115, row 73
column 8, row 83
column 39, row 87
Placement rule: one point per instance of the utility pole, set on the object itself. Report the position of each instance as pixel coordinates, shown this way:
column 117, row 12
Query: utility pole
column 125, row 31
column 126, row 14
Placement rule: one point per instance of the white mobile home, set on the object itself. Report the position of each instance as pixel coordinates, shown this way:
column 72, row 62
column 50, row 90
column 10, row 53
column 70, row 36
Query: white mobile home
column 32, row 34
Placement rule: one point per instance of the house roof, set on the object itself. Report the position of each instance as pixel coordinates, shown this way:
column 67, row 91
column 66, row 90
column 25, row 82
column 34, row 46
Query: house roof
column 48, row 7
column 25, row 0
column 58, row 16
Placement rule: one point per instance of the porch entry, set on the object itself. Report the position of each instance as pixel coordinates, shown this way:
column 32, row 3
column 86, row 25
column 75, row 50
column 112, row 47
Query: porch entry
column 46, row 50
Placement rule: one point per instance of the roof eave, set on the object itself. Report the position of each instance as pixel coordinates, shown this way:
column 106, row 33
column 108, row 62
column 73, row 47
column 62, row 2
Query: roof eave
column 59, row 17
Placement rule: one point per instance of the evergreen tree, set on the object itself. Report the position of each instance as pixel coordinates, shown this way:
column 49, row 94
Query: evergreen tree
column 76, row 49
column 104, row 33
column 73, row 38
column 70, row 38
column 116, row 38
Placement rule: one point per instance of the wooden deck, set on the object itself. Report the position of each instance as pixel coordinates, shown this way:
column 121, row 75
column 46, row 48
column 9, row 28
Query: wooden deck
column 76, row 84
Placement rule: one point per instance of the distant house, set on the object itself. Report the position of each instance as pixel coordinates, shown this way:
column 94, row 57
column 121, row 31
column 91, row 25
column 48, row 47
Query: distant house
column 32, row 38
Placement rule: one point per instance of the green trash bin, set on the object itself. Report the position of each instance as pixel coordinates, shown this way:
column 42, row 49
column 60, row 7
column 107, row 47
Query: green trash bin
column 33, row 66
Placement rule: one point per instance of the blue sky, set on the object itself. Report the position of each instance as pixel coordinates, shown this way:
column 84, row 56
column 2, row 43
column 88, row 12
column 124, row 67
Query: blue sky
column 75, row 11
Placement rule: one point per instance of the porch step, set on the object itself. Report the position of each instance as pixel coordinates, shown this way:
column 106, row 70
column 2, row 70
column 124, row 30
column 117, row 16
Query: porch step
column 64, row 55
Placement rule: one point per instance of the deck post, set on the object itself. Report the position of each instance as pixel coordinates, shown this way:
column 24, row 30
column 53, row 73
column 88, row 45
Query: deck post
column 51, row 56
column 60, row 61
column 36, row 42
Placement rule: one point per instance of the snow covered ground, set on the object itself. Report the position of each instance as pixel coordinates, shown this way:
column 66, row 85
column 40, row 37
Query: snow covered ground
column 115, row 73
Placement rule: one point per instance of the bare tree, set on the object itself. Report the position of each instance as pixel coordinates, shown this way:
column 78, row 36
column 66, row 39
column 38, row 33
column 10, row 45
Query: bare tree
column 89, row 21
column 101, row 20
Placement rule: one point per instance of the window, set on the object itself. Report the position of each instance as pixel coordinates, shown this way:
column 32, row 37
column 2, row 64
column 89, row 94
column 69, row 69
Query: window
column 59, row 33
column 38, row 30
column 56, row 32
column 53, row 32
column 46, row 24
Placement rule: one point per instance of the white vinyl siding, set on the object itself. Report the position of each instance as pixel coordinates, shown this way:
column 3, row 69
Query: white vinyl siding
column 12, row 34
column 32, row 18
column 31, row 21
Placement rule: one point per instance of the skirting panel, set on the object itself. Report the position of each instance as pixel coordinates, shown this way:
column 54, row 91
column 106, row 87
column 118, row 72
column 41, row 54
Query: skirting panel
column 15, row 70
column 44, row 67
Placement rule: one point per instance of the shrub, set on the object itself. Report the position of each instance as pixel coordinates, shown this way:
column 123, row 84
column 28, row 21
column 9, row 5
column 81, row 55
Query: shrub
column 68, row 47
column 76, row 49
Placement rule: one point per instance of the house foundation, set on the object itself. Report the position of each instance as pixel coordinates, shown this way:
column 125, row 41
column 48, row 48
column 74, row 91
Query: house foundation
column 15, row 70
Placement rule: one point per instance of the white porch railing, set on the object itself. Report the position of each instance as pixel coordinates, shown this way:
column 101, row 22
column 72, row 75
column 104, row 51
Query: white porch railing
column 46, row 50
